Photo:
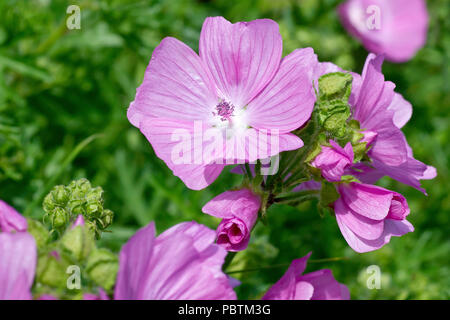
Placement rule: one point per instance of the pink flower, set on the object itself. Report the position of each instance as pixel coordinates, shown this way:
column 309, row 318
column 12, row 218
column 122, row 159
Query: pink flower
column 396, row 28
column 10, row 219
column 382, row 113
column 318, row 285
column 181, row 263
column 235, row 102
column 17, row 265
column 332, row 161
column 239, row 212
column 369, row 216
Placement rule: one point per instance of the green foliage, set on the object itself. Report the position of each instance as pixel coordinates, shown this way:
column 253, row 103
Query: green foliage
column 63, row 100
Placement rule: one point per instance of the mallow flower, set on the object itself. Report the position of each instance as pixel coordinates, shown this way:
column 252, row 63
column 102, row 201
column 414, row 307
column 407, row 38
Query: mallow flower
column 368, row 216
column 317, row 285
column 182, row 263
column 239, row 213
column 236, row 101
column 396, row 28
column 382, row 113
column 18, row 254
column 334, row 160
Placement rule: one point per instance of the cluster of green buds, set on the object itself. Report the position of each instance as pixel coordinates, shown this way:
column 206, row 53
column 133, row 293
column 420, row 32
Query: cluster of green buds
column 64, row 203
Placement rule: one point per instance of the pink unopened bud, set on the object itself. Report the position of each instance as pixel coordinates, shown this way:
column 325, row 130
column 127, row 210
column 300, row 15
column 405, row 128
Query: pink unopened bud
column 333, row 161
column 239, row 211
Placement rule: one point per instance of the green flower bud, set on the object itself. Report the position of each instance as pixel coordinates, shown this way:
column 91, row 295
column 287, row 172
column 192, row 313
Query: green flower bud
column 59, row 218
column 335, row 86
column 51, row 269
column 60, row 195
column 39, row 232
column 107, row 218
column 102, row 267
column 79, row 241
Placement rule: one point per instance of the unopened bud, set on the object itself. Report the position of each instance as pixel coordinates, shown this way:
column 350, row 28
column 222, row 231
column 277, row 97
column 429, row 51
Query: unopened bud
column 102, row 267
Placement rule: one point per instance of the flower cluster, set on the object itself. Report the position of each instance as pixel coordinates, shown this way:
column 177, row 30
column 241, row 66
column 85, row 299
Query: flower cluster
column 326, row 133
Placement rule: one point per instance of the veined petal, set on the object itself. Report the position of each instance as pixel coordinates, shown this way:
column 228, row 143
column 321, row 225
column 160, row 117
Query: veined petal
column 326, row 286
column 17, row 265
column 177, row 85
column 242, row 57
column 10, row 219
column 364, row 227
column 288, row 100
column 182, row 146
column 402, row 110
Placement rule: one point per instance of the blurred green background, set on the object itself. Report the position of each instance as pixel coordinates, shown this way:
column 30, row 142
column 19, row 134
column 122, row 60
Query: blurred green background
column 58, row 87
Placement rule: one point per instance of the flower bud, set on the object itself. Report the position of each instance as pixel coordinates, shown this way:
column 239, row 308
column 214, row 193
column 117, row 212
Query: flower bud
column 239, row 212
column 102, row 267
column 333, row 161
column 78, row 240
column 51, row 269
column 39, row 232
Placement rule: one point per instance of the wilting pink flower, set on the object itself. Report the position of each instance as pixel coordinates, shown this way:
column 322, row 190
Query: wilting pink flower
column 369, row 216
column 332, row 161
column 396, row 28
column 17, row 265
column 382, row 113
column 235, row 102
column 239, row 212
column 317, row 285
column 181, row 263
column 10, row 219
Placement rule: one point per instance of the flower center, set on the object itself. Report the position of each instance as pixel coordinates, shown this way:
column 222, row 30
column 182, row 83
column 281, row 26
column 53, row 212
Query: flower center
column 224, row 111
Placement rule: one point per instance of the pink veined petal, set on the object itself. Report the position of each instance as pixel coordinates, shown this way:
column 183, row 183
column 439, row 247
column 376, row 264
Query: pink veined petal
column 392, row 228
column 285, row 288
column 221, row 206
column 134, row 264
column 10, row 219
column 177, row 85
column 242, row 57
column 325, row 286
column 288, row 100
column 180, row 271
column 367, row 200
column 363, row 227
column 175, row 142
column 402, row 110
column 17, row 265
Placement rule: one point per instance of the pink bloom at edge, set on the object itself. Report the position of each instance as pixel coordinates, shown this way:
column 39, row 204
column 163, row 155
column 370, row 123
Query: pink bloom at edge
column 239, row 212
column 18, row 254
column 317, row 285
column 235, row 91
column 402, row 28
column 332, row 161
column 382, row 113
column 368, row 216
column 182, row 263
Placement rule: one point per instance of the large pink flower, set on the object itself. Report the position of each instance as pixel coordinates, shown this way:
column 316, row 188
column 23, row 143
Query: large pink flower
column 317, row 285
column 182, row 263
column 369, row 216
column 237, row 101
column 396, row 28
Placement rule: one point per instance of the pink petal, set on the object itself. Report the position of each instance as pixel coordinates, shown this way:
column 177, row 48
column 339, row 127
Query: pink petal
column 227, row 204
column 285, row 288
column 367, row 200
column 363, row 227
column 242, row 57
column 134, row 264
column 192, row 164
column 17, row 265
column 287, row 102
column 325, row 286
column 403, row 26
column 177, row 85
column 402, row 110
column 10, row 219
